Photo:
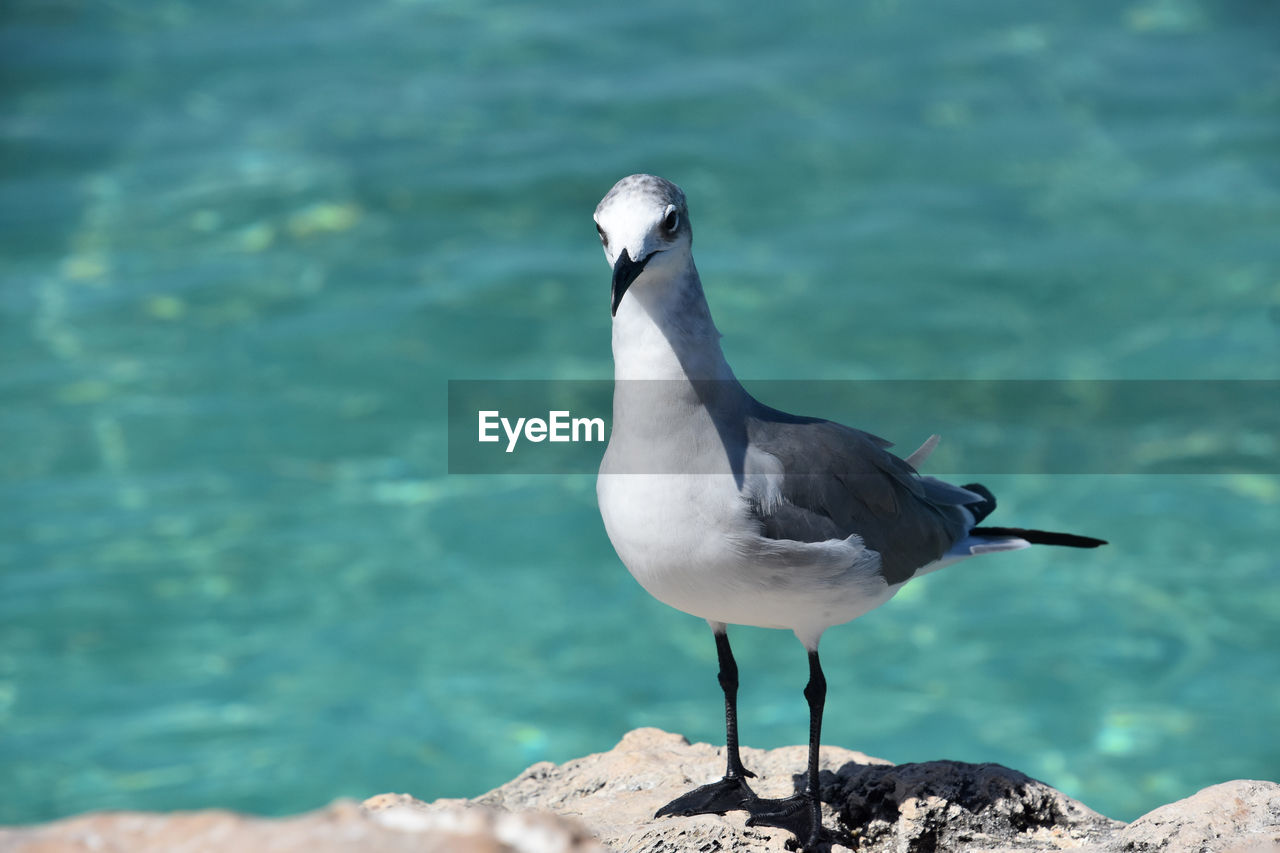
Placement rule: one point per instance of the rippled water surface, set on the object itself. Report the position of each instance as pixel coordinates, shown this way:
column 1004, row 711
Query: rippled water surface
column 244, row 246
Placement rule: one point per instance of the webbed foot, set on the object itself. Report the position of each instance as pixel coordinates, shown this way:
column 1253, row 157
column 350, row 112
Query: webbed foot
column 728, row 794
column 800, row 815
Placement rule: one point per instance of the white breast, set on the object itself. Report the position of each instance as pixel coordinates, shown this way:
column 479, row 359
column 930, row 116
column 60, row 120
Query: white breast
column 691, row 543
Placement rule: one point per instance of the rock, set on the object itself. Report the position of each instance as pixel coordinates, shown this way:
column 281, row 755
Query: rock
column 1234, row 817
column 948, row 805
column 387, row 824
column 872, row 805
column 607, row 801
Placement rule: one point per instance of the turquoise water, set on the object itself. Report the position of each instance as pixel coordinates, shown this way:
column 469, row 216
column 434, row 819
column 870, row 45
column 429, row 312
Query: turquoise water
column 244, row 246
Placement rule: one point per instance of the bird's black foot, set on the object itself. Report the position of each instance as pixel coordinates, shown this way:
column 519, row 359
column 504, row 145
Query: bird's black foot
column 800, row 815
column 729, row 794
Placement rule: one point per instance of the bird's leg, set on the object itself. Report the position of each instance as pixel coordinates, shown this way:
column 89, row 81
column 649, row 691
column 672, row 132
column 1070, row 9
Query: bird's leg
column 801, row 815
column 731, row 792
column 728, row 678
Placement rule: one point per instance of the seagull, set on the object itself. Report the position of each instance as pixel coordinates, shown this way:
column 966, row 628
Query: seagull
column 741, row 514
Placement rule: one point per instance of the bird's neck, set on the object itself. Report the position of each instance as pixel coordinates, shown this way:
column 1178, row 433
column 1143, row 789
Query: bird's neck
column 663, row 330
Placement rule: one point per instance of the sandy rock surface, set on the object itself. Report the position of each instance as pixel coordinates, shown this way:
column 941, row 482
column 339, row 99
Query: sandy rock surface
column 870, row 804
column 1235, row 817
column 379, row 826
column 606, row 802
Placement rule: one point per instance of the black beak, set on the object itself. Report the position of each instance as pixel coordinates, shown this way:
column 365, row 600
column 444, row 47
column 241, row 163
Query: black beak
column 625, row 271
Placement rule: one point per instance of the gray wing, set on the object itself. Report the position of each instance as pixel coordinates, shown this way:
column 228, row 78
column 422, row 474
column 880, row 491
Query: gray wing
column 837, row 481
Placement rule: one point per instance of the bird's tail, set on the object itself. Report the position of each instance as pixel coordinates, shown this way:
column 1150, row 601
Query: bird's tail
column 1038, row 537
column 987, row 505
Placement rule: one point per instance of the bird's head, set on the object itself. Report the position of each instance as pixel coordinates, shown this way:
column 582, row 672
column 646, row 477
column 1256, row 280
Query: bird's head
column 644, row 228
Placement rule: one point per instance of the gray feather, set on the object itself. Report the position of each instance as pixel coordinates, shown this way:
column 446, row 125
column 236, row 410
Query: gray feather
column 837, row 481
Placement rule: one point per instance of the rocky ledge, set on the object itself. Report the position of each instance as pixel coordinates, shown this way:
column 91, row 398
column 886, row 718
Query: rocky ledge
column 606, row 802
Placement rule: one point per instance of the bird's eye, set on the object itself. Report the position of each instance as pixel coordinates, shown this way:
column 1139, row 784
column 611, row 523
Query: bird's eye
column 604, row 240
column 672, row 220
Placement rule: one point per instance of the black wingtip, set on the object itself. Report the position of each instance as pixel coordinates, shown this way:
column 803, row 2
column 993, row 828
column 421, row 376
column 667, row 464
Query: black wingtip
column 985, row 507
column 1040, row 537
